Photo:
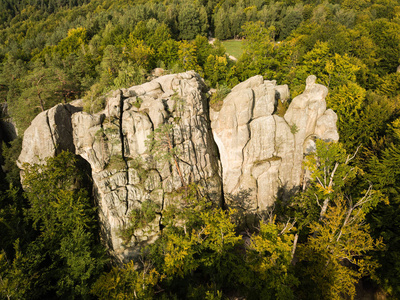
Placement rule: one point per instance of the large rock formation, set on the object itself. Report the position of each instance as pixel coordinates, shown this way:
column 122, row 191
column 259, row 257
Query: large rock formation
column 262, row 153
column 149, row 141
column 153, row 139
column 49, row 134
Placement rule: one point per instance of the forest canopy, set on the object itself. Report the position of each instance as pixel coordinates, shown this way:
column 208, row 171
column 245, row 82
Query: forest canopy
column 58, row 51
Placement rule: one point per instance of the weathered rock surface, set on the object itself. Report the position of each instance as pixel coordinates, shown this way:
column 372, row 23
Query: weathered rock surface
column 49, row 134
column 116, row 143
column 261, row 152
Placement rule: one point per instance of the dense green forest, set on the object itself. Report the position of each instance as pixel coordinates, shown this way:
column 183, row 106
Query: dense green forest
column 61, row 50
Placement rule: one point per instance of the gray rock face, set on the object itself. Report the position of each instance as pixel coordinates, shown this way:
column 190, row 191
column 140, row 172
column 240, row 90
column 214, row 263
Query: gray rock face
column 117, row 143
column 261, row 152
column 151, row 140
column 49, row 134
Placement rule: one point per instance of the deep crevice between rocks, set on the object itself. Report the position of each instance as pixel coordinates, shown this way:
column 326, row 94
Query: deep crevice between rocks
column 122, row 139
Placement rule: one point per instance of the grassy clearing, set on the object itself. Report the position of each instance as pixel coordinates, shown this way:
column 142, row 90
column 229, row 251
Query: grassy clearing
column 233, row 47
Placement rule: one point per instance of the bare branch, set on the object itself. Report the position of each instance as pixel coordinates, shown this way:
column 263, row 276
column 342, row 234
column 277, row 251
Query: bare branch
column 333, row 174
column 346, row 220
column 366, row 198
column 287, row 225
column 324, row 208
column 354, row 155
column 319, row 181
column 296, row 237
column 316, row 197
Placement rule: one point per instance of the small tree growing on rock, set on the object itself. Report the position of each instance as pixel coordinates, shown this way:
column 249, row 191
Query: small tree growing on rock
column 161, row 145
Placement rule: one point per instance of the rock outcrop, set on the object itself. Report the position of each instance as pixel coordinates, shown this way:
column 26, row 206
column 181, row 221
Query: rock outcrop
column 151, row 140
column 49, row 134
column 261, row 152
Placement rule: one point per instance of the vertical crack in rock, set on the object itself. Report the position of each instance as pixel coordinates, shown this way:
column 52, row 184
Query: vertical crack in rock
column 121, row 133
column 276, row 149
column 122, row 138
column 302, row 111
column 249, row 138
column 51, row 132
column 40, row 142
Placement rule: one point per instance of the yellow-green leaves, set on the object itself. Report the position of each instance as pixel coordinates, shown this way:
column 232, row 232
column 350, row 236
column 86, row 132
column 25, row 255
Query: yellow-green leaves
column 187, row 56
column 127, row 283
column 270, row 250
column 337, row 250
column 214, row 238
column 336, row 253
column 347, row 101
column 179, row 255
column 216, row 68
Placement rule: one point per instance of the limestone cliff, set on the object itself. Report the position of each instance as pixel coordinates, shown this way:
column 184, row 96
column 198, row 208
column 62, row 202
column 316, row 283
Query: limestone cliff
column 153, row 139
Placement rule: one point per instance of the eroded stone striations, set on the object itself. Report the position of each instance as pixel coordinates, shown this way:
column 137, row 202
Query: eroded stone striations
column 260, row 152
column 116, row 143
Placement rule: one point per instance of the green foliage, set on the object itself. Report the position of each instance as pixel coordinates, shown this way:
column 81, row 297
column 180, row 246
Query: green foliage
column 127, row 283
column 116, row 162
column 64, row 251
column 271, row 274
column 215, row 237
column 216, row 68
column 12, row 277
column 334, row 241
column 138, row 52
column 384, row 173
column 222, row 24
column 362, row 115
column 10, row 155
column 12, row 222
column 192, row 20
column 187, row 56
column 141, row 218
column 160, row 143
column 282, row 108
column 199, row 255
column 57, row 51
column 336, row 256
column 294, row 129
column 76, row 38
column 258, row 54
column 168, row 52
column 109, row 66
column 218, row 97
column 93, row 102
column 204, row 49
column 330, row 167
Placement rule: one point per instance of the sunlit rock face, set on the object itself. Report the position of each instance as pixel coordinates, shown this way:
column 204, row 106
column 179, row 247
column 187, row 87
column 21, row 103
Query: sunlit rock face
column 154, row 139
column 261, row 152
column 126, row 173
